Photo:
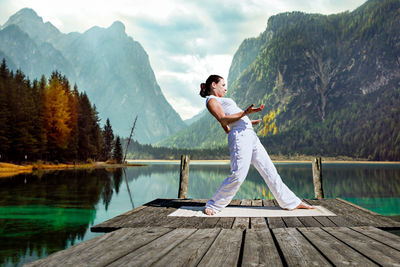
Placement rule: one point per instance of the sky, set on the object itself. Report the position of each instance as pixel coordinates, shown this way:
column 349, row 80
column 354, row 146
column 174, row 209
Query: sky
column 186, row 40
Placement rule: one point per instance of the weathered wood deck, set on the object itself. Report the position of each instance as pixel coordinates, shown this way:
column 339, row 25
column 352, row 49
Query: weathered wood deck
column 146, row 236
column 155, row 214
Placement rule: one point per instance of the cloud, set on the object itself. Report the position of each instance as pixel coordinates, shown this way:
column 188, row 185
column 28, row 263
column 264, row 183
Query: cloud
column 186, row 40
column 184, row 77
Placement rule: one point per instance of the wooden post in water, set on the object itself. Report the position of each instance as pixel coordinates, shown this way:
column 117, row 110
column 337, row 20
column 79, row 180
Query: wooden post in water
column 184, row 177
column 317, row 178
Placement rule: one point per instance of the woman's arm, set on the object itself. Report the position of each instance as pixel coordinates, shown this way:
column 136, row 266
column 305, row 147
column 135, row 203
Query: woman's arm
column 216, row 110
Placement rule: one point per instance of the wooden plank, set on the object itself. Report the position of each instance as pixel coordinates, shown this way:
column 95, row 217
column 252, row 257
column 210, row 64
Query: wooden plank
column 356, row 206
column 309, row 221
column 235, row 202
column 380, row 220
column 113, row 223
column 297, row 250
column 209, row 222
column 324, row 221
column 245, row 202
column 275, row 222
column 225, row 222
column 336, row 251
column 292, row 222
column 379, row 235
column 338, row 220
column 256, row 202
column 257, row 222
column 225, row 249
column 102, row 250
column 259, row 249
column 356, row 216
column 361, row 216
column 155, row 250
column 151, row 215
column 374, row 250
column 193, row 222
column 153, row 209
column 242, row 222
column 391, row 222
column 191, row 250
column 288, row 221
column 268, row 203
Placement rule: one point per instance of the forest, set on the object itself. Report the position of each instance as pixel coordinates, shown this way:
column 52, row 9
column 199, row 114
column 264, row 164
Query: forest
column 50, row 121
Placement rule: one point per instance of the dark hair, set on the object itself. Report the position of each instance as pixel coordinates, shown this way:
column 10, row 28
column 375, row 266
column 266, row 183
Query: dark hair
column 205, row 88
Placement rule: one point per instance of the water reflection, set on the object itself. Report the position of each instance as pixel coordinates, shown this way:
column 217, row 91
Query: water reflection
column 47, row 212
column 41, row 214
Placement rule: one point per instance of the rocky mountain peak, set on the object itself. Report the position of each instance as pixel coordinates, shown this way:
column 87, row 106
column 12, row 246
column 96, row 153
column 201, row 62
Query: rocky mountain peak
column 117, row 26
column 25, row 14
column 29, row 21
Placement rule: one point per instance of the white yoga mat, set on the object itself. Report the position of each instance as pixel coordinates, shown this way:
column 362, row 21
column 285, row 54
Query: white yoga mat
column 196, row 211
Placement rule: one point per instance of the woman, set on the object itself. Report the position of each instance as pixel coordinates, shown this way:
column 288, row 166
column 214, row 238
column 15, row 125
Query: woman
column 245, row 148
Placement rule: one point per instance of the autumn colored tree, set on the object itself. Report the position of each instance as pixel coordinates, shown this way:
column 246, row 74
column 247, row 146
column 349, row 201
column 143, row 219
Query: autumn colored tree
column 269, row 123
column 57, row 116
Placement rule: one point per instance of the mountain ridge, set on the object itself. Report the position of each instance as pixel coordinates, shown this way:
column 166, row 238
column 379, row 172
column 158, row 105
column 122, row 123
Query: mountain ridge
column 112, row 68
column 317, row 69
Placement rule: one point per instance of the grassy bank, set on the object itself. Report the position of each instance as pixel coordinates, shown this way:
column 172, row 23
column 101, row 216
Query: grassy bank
column 9, row 169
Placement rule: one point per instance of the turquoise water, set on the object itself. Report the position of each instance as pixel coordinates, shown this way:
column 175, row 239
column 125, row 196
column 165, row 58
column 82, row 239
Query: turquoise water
column 44, row 213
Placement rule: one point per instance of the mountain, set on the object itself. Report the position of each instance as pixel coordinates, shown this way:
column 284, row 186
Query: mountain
column 109, row 65
column 335, row 80
column 195, row 117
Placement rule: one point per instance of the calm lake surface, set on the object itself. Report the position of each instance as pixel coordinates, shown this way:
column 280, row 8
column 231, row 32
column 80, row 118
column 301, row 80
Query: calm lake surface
column 44, row 213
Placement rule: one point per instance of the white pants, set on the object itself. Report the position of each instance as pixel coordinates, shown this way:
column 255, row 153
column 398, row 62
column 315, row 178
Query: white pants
column 246, row 148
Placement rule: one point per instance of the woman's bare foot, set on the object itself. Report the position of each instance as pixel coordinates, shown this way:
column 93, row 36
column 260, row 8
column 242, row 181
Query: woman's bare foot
column 303, row 205
column 209, row 211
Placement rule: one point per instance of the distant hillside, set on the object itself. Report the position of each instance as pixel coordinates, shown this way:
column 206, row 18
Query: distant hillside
column 110, row 66
column 196, row 117
column 336, row 80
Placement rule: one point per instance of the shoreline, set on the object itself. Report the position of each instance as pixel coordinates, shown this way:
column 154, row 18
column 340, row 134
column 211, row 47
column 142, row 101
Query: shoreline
column 8, row 169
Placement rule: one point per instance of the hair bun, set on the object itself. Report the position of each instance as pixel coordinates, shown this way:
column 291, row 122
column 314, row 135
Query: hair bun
column 202, row 86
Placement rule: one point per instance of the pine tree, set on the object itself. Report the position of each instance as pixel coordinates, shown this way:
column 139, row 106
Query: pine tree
column 108, row 140
column 96, row 134
column 4, row 112
column 84, row 142
column 73, row 106
column 90, row 135
column 118, row 150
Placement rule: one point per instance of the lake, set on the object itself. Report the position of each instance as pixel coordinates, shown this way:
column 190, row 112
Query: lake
column 47, row 212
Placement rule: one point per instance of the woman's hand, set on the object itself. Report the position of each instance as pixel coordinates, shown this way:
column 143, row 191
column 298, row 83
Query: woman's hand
column 251, row 109
column 226, row 128
column 254, row 122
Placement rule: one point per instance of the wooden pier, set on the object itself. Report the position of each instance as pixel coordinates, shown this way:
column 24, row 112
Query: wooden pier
column 147, row 236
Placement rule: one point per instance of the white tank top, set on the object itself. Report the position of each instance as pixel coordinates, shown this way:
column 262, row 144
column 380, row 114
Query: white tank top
column 229, row 106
